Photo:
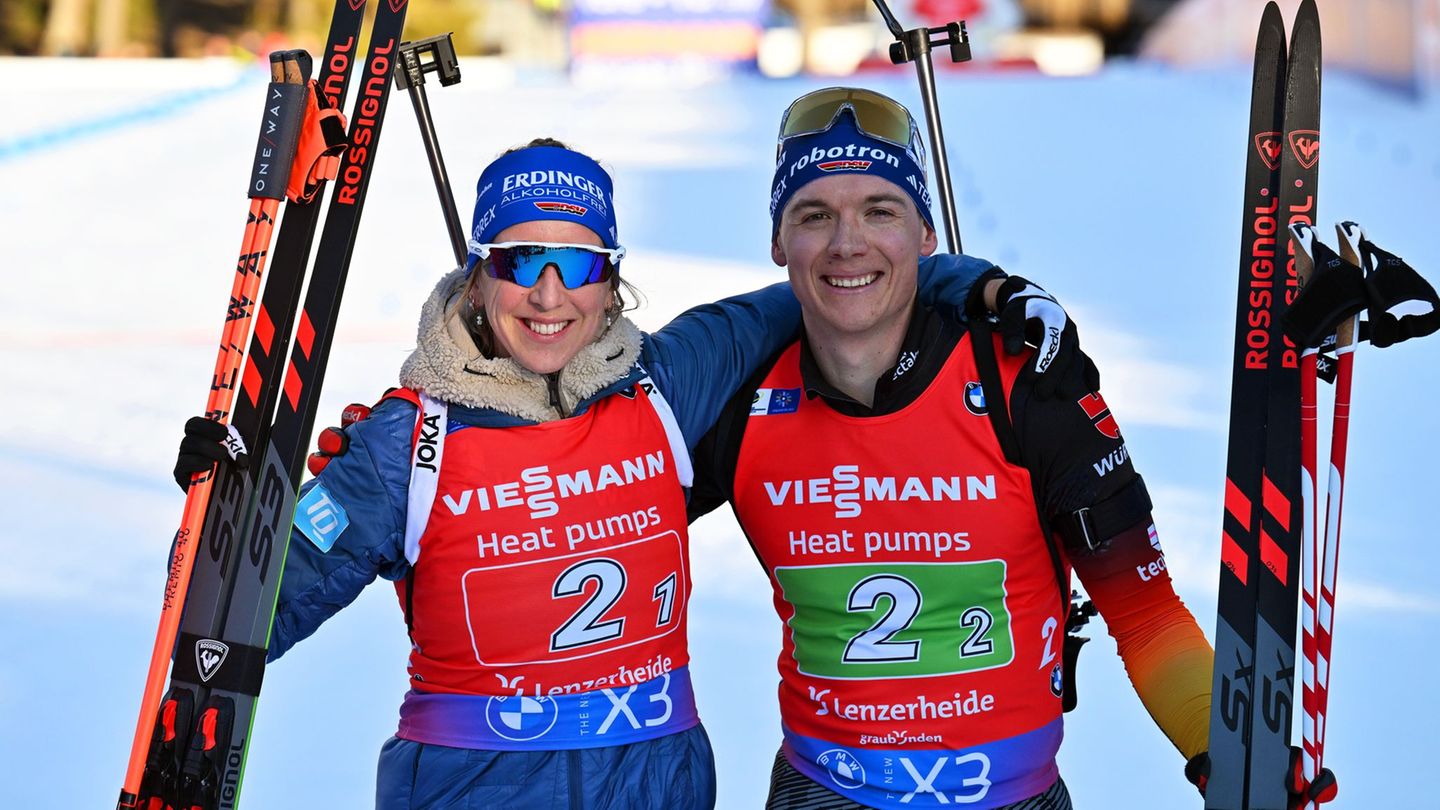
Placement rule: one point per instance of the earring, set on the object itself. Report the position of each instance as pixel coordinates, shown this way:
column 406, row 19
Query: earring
column 479, row 318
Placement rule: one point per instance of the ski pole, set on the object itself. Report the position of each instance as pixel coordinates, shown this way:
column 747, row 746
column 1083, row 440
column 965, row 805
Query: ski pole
column 410, row 70
column 915, row 45
column 1309, row 549
column 1350, row 235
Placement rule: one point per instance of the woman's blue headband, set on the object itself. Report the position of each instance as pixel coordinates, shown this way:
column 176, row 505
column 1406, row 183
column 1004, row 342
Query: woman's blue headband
column 542, row 183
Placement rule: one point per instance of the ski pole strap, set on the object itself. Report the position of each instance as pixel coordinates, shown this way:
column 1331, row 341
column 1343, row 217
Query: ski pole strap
column 321, row 143
column 219, row 665
column 1335, row 292
column 1402, row 304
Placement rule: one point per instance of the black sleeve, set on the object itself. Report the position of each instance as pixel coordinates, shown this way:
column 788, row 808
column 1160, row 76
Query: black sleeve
column 718, row 451
column 1085, row 483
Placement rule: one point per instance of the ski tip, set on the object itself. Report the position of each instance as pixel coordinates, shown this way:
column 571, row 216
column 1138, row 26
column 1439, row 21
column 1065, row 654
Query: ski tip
column 1308, row 14
column 1272, row 16
column 1270, row 47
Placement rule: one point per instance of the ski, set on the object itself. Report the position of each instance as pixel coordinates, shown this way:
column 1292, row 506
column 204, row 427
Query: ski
column 1288, row 499
column 278, row 139
column 261, row 531
column 219, row 661
column 177, row 771
column 1260, row 282
column 1269, row 519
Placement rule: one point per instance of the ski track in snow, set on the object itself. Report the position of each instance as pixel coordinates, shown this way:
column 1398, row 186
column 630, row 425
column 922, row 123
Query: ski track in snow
column 1119, row 193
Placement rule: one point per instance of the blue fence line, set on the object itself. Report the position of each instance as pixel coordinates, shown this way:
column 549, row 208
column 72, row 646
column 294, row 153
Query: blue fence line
column 145, row 112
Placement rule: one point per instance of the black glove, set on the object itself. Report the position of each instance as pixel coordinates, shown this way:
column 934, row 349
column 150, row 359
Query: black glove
column 335, row 441
column 206, row 443
column 1028, row 314
column 1302, row 793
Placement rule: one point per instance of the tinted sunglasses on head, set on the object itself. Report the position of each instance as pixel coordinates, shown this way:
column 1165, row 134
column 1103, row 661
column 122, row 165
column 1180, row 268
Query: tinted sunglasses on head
column 524, row 263
column 877, row 116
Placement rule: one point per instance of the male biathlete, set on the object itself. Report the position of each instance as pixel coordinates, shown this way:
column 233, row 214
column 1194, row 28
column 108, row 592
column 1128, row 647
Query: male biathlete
column 919, row 508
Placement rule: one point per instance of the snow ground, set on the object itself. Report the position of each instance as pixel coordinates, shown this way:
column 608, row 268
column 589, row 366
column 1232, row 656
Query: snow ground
column 121, row 196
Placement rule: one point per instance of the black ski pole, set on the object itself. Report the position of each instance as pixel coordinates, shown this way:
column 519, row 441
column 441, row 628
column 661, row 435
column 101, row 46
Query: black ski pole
column 915, row 45
column 433, row 55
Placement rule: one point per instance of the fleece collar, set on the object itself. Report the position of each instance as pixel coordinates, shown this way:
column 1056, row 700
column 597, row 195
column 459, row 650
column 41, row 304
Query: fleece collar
column 447, row 365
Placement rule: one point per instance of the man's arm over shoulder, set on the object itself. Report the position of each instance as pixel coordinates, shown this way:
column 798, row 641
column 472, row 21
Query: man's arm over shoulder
column 947, row 281
column 701, row 358
column 350, row 525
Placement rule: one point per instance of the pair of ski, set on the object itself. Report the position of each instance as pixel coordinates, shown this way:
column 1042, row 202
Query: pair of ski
column 1268, row 490
column 1289, row 280
column 190, row 746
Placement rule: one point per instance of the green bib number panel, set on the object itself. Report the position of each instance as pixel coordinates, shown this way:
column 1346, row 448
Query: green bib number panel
column 898, row 620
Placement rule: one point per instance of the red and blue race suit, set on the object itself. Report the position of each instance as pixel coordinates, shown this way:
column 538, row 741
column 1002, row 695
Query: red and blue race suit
column 917, row 551
column 923, row 628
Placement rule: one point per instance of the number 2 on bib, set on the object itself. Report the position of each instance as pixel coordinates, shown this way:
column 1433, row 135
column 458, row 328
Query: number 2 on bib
column 897, row 620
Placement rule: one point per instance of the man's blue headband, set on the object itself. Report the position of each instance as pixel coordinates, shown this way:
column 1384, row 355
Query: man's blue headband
column 844, row 149
column 540, row 183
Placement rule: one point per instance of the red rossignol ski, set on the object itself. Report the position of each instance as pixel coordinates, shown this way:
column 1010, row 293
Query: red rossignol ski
column 1290, row 462
column 279, row 134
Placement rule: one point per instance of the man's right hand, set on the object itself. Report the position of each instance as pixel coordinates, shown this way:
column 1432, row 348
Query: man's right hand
column 206, row 443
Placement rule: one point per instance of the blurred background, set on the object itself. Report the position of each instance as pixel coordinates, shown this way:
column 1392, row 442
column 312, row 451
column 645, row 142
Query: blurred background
column 1096, row 146
column 1395, row 41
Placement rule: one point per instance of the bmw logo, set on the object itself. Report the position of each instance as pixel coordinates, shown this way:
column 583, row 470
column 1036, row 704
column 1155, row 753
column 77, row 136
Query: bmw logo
column 1057, row 681
column 521, row 718
column 975, row 398
column 845, row 770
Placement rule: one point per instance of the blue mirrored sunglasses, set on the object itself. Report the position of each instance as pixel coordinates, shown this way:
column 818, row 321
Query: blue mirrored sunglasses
column 524, row 263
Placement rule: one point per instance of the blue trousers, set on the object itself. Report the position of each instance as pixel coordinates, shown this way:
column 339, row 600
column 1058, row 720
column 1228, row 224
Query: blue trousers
column 676, row 772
